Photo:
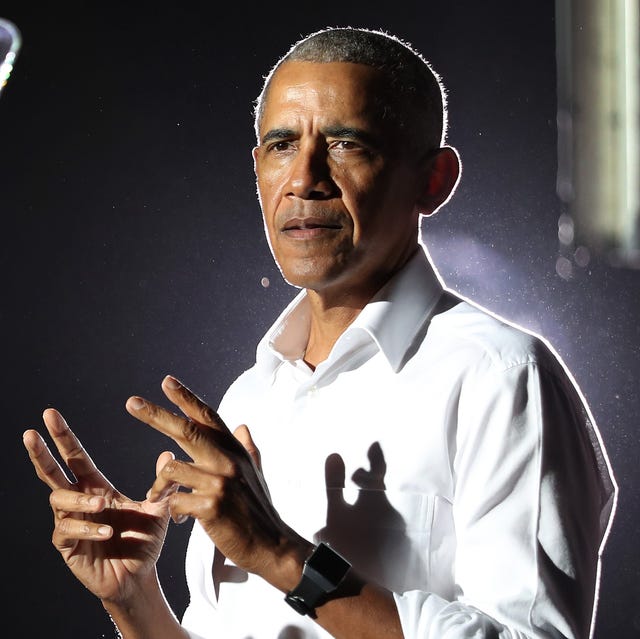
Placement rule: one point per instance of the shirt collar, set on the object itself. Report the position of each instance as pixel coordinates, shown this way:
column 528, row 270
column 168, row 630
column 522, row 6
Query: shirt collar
column 391, row 319
column 400, row 308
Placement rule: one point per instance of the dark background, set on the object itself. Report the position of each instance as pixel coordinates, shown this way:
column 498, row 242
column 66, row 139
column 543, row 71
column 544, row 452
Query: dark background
column 132, row 243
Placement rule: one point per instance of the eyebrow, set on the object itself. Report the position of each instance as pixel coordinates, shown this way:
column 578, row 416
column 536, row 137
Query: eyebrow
column 352, row 133
column 277, row 134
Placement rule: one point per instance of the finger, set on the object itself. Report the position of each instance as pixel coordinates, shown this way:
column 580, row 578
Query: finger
column 69, row 530
column 175, row 474
column 73, row 516
column 161, row 488
column 47, row 468
column 191, row 405
column 205, row 445
column 186, row 505
column 190, row 436
column 243, row 435
column 163, row 459
column 204, row 494
column 71, row 450
column 64, row 501
column 217, row 500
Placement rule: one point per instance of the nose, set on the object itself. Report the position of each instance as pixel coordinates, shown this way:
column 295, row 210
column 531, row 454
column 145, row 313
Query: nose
column 310, row 175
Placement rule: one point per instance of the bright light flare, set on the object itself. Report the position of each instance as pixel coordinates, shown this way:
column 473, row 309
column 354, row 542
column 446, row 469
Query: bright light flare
column 10, row 42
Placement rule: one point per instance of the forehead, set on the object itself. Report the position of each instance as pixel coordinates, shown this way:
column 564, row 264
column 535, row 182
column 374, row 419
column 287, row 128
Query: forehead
column 321, row 91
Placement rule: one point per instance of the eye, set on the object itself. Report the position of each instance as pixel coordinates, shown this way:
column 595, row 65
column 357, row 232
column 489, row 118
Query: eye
column 280, row 145
column 345, row 145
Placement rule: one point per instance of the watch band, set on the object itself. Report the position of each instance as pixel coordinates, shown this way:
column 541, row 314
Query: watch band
column 305, row 597
column 322, row 573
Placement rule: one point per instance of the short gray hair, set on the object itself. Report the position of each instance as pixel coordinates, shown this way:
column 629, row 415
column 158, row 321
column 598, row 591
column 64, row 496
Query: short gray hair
column 415, row 99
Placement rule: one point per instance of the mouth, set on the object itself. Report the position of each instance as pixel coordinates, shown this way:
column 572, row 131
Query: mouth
column 310, row 224
column 310, row 228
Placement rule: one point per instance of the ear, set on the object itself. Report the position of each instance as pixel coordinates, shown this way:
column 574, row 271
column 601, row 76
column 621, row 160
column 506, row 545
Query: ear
column 254, row 155
column 443, row 174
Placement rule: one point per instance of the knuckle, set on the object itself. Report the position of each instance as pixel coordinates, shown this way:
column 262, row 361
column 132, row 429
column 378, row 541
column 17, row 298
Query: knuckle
column 211, row 506
column 152, row 410
column 170, row 468
column 190, row 431
column 75, row 451
column 218, row 486
column 208, row 415
column 81, row 499
column 175, row 503
column 55, row 501
column 64, row 525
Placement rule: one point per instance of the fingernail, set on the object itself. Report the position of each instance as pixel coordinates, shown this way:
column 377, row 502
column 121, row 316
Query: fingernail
column 104, row 530
column 172, row 382
column 136, row 403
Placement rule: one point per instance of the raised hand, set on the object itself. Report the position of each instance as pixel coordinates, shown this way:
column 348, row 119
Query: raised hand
column 225, row 489
column 110, row 542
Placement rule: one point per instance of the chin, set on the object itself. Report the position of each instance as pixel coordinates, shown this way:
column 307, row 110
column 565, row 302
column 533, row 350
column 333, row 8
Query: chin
column 310, row 273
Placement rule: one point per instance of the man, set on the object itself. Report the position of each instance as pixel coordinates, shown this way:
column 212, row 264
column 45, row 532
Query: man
column 444, row 458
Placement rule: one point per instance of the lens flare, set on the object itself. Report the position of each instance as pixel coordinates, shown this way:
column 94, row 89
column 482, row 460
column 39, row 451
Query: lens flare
column 10, row 42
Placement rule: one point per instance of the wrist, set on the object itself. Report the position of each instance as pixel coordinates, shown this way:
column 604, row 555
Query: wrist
column 133, row 588
column 138, row 606
column 323, row 571
column 284, row 570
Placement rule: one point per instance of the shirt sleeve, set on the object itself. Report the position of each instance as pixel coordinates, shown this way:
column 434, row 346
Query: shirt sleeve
column 534, row 497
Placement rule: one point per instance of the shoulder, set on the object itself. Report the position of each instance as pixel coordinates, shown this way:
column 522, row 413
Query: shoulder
column 483, row 336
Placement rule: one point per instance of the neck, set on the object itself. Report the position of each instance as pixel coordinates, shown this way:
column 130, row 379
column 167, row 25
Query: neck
column 327, row 324
column 334, row 307
column 333, row 310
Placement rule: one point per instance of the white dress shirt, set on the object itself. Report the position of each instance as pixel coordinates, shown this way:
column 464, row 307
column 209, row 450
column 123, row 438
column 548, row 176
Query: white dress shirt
column 445, row 452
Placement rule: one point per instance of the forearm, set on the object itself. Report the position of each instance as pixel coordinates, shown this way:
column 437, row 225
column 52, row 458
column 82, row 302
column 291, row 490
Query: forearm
column 354, row 610
column 360, row 611
column 145, row 615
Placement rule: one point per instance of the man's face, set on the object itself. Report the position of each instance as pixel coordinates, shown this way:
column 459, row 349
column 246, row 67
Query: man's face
column 337, row 187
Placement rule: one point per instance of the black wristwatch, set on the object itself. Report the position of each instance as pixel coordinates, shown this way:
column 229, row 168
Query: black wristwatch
column 322, row 573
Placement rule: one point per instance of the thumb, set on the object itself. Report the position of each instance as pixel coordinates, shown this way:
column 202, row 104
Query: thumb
column 163, row 459
column 161, row 506
column 243, row 435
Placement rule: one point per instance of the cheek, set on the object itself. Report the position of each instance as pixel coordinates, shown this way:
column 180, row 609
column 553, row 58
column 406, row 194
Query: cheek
column 271, row 173
column 361, row 189
column 366, row 208
column 267, row 221
column 269, row 179
column 270, row 189
column 268, row 199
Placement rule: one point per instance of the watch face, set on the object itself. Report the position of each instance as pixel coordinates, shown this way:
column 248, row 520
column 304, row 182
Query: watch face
column 322, row 573
column 328, row 563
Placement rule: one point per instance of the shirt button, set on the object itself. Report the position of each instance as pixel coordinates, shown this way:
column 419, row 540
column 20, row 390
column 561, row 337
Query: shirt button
column 312, row 392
